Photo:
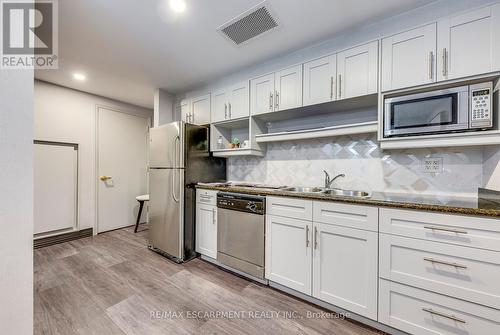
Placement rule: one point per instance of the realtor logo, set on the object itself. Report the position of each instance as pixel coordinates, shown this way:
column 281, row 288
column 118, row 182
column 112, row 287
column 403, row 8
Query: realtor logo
column 29, row 34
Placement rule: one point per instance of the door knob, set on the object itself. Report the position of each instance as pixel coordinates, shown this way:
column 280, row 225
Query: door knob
column 104, row 178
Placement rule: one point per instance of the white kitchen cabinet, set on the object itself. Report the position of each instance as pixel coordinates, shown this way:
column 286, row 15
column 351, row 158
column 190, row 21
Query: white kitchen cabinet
column 262, row 94
column 320, row 78
column 357, row 70
column 276, row 91
column 288, row 252
column 288, row 85
column 421, row 312
column 231, row 103
column 239, row 101
column 469, row 44
column 409, row 58
column 185, row 110
column 345, row 268
column 200, row 110
column 219, row 105
column 206, row 223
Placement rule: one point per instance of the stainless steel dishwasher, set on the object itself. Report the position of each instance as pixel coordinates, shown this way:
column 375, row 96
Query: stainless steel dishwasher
column 241, row 232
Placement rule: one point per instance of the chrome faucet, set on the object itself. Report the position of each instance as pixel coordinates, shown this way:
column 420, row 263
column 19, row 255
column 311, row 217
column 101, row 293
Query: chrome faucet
column 328, row 181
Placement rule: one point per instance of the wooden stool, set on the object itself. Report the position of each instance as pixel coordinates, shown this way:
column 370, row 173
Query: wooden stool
column 142, row 199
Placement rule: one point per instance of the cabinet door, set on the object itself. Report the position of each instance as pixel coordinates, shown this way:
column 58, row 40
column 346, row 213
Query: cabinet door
column 345, row 268
column 288, row 88
column 358, row 71
column 206, row 230
column 408, row 59
column 262, row 94
column 185, row 108
column 219, row 105
column 288, row 252
column 200, row 110
column 469, row 44
column 320, row 80
column 238, row 101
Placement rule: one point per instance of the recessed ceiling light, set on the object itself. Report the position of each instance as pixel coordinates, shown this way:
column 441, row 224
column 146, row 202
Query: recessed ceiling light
column 79, row 76
column 178, row 6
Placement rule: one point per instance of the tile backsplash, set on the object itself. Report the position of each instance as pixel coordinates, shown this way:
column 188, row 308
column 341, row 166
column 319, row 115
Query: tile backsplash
column 366, row 166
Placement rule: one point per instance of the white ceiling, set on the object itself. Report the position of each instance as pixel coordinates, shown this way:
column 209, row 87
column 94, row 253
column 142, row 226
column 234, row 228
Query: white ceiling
column 127, row 48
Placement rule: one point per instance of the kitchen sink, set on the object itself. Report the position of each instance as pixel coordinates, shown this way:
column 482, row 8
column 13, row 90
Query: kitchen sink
column 346, row 193
column 304, row 189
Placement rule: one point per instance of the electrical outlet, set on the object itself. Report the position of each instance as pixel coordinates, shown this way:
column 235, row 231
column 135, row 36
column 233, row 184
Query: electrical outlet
column 432, row 165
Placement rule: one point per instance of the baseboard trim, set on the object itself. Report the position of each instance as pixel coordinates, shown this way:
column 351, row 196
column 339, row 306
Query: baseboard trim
column 61, row 238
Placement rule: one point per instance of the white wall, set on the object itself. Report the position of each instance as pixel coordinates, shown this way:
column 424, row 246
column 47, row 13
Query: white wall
column 16, row 202
column 66, row 115
column 163, row 107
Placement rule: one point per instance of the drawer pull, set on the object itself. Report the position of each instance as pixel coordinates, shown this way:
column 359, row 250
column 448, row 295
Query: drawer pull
column 451, row 317
column 315, row 237
column 432, row 260
column 446, row 229
column 307, row 236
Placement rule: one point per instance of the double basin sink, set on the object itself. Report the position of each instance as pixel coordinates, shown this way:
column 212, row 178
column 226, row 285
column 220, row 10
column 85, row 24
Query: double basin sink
column 329, row 191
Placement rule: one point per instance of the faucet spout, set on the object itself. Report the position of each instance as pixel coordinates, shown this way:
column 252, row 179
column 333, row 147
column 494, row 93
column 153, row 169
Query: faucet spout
column 329, row 181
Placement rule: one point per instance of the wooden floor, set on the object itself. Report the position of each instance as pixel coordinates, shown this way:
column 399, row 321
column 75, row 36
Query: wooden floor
column 112, row 284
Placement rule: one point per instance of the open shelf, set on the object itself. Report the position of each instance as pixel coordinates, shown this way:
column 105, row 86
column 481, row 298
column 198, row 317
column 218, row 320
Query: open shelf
column 349, row 129
column 223, row 133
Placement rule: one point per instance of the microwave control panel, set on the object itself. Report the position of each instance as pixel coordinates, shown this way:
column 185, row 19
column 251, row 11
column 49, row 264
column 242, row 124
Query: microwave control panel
column 481, row 113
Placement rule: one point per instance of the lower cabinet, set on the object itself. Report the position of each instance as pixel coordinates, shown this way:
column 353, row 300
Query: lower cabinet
column 333, row 263
column 345, row 268
column 206, row 227
column 426, row 313
column 289, row 253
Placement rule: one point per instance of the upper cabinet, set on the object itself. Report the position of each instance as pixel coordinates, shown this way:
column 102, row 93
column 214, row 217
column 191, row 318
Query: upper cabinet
column 185, row 110
column 357, row 71
column 320, row 80
column 469, row 44
column 408, row 59
column 288, row 88
column 230, row 103
column 200, row 110
column 458, row 46
column 276, row 91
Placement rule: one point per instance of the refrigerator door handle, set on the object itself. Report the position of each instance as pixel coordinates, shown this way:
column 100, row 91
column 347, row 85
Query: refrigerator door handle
column 175, row 160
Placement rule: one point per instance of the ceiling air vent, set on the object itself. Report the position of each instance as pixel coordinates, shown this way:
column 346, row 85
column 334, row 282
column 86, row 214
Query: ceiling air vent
column 249, row 24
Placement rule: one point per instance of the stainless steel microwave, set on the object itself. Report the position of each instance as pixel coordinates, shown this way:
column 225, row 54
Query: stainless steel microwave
column 456, row 109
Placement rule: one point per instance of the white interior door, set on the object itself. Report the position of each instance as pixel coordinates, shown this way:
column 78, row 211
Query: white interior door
column 55, row 187
column 122, row 160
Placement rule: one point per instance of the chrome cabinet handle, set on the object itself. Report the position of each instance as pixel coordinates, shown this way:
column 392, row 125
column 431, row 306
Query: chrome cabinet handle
column 315, row 237
column 331, row 88
column 456, row 265
column 445, row 62
column 431, row 59
column 451, row 317
column 277, row 104
column 307, row 236
column 340, row 86
column 225, row 111
column 270, row 101
column 214, row 216
column 446, row 229
column 229, row 104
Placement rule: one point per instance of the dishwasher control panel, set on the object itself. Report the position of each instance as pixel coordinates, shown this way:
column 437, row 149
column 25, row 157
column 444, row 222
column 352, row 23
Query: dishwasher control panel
column 241, row 202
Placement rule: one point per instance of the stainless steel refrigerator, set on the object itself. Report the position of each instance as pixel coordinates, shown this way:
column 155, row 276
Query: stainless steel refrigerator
column 179, row 155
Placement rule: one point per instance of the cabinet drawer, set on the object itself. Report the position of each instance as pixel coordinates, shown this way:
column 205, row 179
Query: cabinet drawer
column 207, row 197
column 465, row 273
column 289, row 207
column 425, row 313
column 361, row 217
column 468, row 231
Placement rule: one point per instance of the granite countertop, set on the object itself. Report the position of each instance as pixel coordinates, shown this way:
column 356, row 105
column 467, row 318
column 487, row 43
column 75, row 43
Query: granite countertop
column 487, row 206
